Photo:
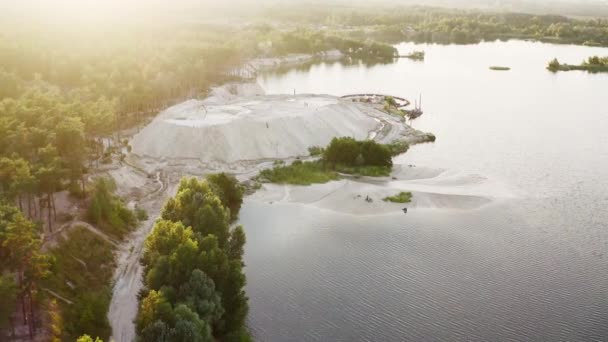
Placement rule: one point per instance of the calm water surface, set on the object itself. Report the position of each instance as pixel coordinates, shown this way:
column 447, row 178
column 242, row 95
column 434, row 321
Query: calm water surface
column 530, row 269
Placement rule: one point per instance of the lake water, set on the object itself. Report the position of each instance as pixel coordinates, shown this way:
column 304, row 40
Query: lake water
column 534, row 268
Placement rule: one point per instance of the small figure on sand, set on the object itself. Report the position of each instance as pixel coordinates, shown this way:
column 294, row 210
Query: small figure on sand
column 405, row 210
column 368, row 199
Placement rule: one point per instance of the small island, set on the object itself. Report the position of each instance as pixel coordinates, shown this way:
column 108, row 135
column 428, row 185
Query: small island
column 592, row 64
column 415, row 55
column 500, row 68
column 344, row 156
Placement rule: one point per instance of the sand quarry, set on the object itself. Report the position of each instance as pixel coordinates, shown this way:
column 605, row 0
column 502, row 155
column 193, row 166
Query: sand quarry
column 238, row 129
column 241, row 130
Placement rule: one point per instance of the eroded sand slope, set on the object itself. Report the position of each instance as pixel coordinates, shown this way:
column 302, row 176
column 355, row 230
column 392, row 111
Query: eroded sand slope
column 253, row 128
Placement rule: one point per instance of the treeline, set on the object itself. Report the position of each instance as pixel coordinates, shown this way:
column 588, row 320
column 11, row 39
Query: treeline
column 142, row 68
column 22, row 269
column 440, row 25
column 193, row 260
column 592, row 64
column 47, row 143
column 65, row 96
column 314, row 42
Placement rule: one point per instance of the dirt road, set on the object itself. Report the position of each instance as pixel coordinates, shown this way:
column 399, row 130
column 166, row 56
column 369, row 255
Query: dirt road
column 127, row 277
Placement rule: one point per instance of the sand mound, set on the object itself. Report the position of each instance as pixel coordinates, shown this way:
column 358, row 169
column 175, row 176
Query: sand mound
column 348, row 197
column 251, row 128
column 432, row 189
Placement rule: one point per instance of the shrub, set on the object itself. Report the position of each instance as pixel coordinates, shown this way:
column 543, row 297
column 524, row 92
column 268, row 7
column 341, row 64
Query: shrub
column 141, row 214
column 402, row 197
column 108, row 211
column 350, row 152
column 398, row 147
column 316, row 150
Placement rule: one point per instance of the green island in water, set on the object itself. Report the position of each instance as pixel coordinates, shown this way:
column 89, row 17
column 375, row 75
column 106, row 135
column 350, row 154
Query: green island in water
column 592, row 64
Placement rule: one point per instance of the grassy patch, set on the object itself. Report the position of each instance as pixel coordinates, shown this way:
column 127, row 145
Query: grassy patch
column 318, row 172
column 300, row 173
column 402, row 197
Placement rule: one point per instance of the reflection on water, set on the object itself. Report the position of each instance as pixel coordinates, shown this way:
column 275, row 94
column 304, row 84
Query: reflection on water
column 532, row 268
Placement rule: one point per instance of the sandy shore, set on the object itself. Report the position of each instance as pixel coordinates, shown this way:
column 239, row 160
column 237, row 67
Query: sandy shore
column 431, row 189
column 258, row 64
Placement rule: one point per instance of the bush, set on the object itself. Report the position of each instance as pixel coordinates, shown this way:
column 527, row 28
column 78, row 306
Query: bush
column 402, row 197
column 342, row 151
column 316, row 150
column 398, row 147
column 108, row 212
column 141, row 214
column 350, row 152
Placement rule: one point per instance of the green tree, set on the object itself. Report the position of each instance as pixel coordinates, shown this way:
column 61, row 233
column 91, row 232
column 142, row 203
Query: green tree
column 70, row 142
column 154, row 307
column 229, row 190
column 237, row 243
column 87, row 338
column 376, row 154
column 199, row 294
column 88, row 314
column 21, row 246
column 109, row 211
column 189, row 327
column 234, row 298
column 342, row 151
column 196, row 205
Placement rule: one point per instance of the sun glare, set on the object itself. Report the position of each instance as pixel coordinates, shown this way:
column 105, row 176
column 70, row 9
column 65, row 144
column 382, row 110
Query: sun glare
column 81, row 10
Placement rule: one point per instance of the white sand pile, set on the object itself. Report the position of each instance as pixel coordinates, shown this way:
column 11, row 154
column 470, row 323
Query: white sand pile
column 250, row 128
